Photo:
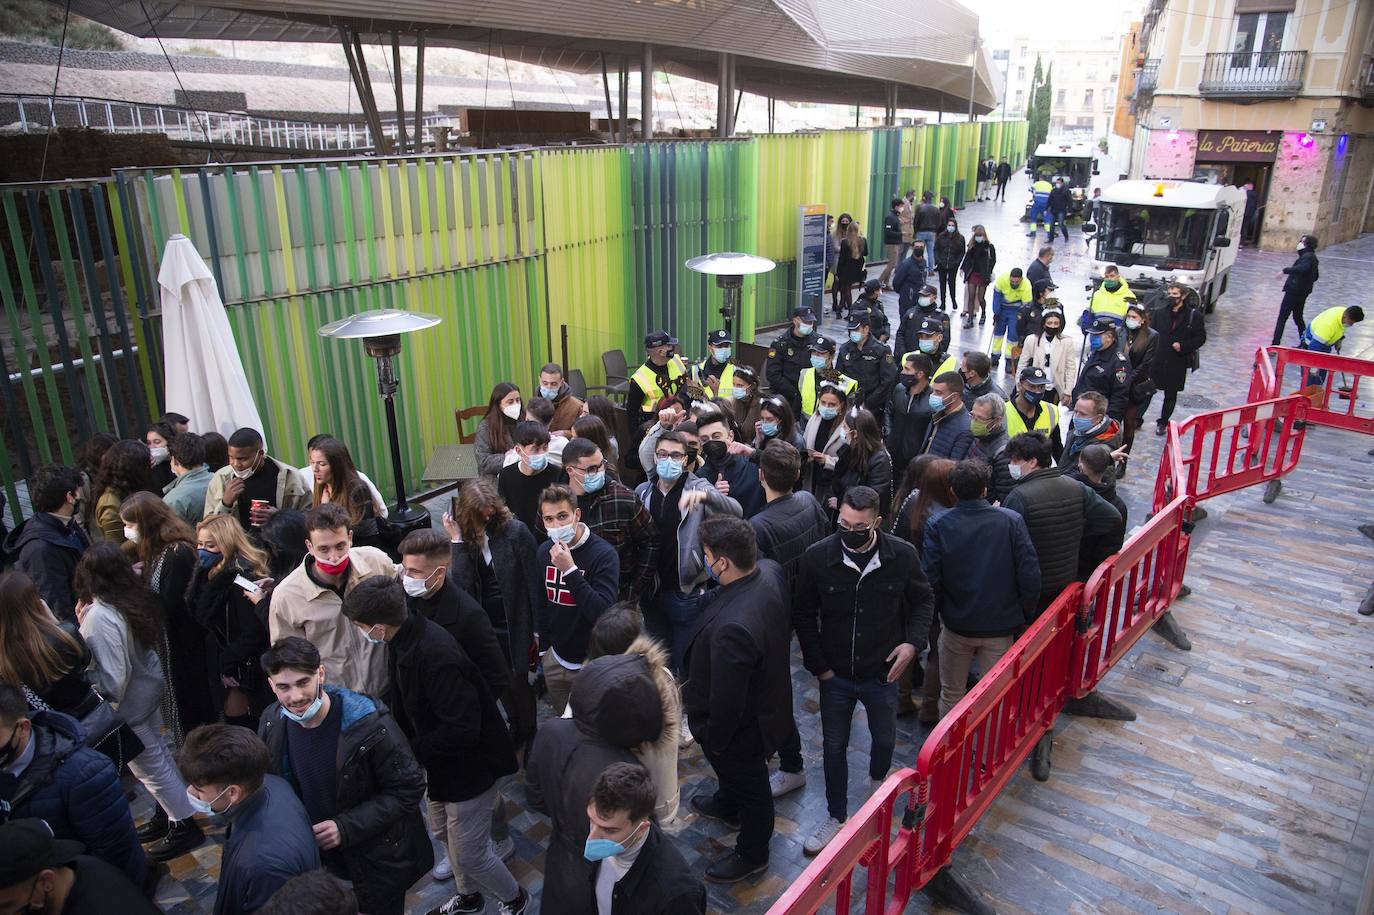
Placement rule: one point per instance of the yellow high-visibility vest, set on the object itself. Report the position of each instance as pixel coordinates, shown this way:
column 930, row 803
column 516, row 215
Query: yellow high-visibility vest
column 949, row 365
column 1327, row 327
column 727, row 379
column 1105, row 302
column 647, row 379
column 807, row 383
column 1045, row 422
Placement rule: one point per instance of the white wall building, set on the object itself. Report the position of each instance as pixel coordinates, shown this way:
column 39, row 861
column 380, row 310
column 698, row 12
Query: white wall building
column 1086, row 71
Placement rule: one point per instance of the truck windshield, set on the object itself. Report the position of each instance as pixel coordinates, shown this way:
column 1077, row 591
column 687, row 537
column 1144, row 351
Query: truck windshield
column 1075, row 172
column 1130, row 234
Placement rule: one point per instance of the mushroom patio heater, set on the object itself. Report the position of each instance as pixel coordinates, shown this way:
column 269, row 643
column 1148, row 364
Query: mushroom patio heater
column 381, row 332
column 729, row 268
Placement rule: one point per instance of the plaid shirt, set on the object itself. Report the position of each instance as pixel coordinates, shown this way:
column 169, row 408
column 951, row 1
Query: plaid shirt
column 618, row 517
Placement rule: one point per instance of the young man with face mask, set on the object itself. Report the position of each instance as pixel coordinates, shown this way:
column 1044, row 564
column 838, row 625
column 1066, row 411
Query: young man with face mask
column 521, row 482
column 988, row 426
column 43, row 875
column 1088, row 424
column 253, row 485
column 581, row 581
column 359, row 783
column 307, row 602
column 613, row 514
column 1031, row 408
column 1109, row 300
column 47, row 546
column 554, row 389
column 727, row 466
column 636, row 868
column 908, row 409
column 716, row 373
column 425, row 558
column 860, row 608
column 949, row 434
column 443, row 706
column 270, row 839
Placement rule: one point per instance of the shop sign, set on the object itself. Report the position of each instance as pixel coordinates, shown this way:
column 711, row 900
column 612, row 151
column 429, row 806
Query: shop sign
column 1237, row 145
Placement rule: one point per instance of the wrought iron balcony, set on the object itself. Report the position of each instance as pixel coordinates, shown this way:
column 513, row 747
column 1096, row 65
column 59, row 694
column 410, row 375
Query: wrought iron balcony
column 1147, row 78
column 1259, row 74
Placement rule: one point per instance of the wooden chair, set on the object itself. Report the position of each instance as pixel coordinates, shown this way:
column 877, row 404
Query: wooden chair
column 460, row 416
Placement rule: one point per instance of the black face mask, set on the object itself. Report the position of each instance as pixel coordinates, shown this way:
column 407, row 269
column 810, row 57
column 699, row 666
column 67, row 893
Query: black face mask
column 1051, row 332
column 855, row 541
column 692, row 453
column 715, row 452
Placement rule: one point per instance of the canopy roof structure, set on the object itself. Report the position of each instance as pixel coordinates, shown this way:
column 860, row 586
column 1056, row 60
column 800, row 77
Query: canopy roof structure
column 879, row 52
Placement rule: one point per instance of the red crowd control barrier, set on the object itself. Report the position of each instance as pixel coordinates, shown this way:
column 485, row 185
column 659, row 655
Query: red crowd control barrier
column 866, row 842
column 1334, row 401
column 976, row 749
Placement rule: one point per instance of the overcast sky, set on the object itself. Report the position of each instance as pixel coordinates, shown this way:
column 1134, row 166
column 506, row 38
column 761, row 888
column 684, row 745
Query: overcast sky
column 1001, row 19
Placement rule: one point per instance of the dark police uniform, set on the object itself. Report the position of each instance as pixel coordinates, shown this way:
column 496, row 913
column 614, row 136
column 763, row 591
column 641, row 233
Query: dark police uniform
column 872, row 366
column 910, row 327
column 788, row 357
column 1107, row 372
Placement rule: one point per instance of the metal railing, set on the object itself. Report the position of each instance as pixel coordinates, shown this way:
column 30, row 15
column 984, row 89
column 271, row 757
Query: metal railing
column 1258, row 74
column 1147, row 78
column 36, row 113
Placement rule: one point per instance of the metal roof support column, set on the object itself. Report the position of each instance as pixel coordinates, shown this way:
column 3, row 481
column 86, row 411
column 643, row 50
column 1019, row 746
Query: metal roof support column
column 646, row 93
column 399, row 86
column 624, row 98
column 772, row 110
column 973, row 73
column 362, row 82
column 940, row 114
column 890, row 114
column 419, row 90
column 723, row 97
column 606, row 86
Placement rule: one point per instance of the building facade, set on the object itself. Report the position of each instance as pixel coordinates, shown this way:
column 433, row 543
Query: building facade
column 1273, row 95
column 1132, row 61
column 1084, row 81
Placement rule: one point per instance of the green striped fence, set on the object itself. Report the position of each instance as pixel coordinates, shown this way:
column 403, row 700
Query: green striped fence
column 507, row 247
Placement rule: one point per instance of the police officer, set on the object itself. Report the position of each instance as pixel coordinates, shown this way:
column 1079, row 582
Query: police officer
column 820, row 367
column 871, row 301
column 656, row 382
column 869, row 363
column 1029, row 410
column 788, row 356
column 716, row 372
column 1107, row 369
column 932, row 338
column 910, row 323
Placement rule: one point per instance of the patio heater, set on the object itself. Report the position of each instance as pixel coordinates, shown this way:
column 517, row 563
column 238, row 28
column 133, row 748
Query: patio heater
column 381, row 331
column 729, row 268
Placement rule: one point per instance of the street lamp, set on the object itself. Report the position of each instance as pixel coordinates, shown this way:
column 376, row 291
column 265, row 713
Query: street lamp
column 380, row 332
column 729, row 268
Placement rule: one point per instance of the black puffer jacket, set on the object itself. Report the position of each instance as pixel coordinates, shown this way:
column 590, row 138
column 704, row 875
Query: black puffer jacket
column 235, row 637
column 949, row 249
column 1303, row 275
column 1096, row 549
column 378, row 787
column 1060, row 513
column 616, row 706
column 786, row 527
column 992, row 450
column 46, row 549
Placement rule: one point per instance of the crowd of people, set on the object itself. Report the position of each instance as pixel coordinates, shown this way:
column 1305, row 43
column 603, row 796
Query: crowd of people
column 255, row 642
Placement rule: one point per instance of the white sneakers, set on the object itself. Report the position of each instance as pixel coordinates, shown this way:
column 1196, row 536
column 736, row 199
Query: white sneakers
column 822, row 836
column 786, row 782
column 443, row 867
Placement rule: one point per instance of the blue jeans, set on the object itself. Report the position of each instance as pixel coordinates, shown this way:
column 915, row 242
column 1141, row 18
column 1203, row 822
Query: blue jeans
column 928, row 238
column 1312, row 344
column 681, row 612
column 838, row 698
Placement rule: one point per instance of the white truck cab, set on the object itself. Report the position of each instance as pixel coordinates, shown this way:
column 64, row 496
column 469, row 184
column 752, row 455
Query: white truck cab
column 1159, row 232
column 1083, row 166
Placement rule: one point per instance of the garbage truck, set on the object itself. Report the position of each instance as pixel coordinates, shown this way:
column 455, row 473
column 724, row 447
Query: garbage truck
column 1083, row 166
column 1160, row 232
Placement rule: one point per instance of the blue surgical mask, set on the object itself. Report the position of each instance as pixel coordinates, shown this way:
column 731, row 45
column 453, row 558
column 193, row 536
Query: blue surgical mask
column 539, row 461
column 855, row 336
column 1094, row 342
column 593, row 482
column 209, row 558
column 721, row 353
column 1014, row 470
column 926, row 346
column 600, row 849
column 768, row 429
column 1082, row 424
column 205, row 807
column 1033, row 397
column 817, row 362
column 805, row 329
column 827, row 412
column 374, row 639
column 937, row 402
column 668, row 469
column 741, row 393
column 562, row 534
column 310, row 712
column 548, row 393
column 711, row 571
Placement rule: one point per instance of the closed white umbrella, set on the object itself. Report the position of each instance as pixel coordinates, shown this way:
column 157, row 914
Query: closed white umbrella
column 204, row 374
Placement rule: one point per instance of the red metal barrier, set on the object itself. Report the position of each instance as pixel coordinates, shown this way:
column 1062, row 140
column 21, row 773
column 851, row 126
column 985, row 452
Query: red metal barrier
column 1334, row 401
column 978, row 746
column 867, row 842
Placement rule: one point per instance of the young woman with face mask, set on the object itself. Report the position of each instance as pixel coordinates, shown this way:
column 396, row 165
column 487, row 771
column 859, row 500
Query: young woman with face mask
column 494, row 438
column 1052, row 351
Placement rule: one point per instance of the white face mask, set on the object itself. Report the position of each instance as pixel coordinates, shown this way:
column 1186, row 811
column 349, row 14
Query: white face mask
column 159, row 454
column 131, row 534
column 245, row 474
column 1301, row 246
column 511, row 410
column 417, row 587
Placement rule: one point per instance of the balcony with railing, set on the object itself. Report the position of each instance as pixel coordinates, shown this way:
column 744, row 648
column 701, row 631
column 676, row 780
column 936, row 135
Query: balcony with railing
column 1147, row 78
column 1253, row 75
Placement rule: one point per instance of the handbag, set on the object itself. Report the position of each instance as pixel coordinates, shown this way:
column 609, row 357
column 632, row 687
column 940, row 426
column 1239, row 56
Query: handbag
column 101, row 723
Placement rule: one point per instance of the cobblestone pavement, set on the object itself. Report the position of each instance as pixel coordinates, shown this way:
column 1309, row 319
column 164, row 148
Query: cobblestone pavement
column 1081, row 842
